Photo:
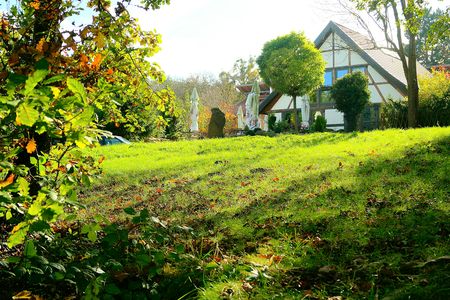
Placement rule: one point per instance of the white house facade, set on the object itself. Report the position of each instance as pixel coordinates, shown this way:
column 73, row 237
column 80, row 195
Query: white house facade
column 346, row 51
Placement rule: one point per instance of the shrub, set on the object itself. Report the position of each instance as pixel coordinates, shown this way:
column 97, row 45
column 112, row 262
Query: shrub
column 394, row 114
column 319, row 124
column 281, row 126
column 434, row 104
column 351, row 94
column 271, row 122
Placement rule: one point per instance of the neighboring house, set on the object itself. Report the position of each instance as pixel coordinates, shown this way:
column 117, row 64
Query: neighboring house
column 346, row 51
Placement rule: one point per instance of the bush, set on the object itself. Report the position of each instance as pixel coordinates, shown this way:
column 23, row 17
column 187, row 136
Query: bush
column 351, row 94
column 281, row 126
column 434, row 104
column 319, row 124
column 394, row 114
column 271, row 122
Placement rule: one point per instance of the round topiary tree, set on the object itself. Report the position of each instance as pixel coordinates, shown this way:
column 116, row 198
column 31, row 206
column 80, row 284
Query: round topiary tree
column 351, row 94
column 292, row 65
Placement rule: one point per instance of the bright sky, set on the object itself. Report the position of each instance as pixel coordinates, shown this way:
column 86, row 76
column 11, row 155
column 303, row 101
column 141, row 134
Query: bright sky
column 208, row 36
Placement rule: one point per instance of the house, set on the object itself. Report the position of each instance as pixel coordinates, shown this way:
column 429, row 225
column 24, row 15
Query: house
column 346, row 51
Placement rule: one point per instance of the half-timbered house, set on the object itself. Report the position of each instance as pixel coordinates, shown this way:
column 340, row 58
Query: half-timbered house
column 345, row 51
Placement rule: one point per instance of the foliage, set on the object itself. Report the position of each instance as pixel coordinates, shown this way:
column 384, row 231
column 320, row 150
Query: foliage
column 351, row 94
column 58, row 88
column 243, row 72
column 319, row 124
column 394, row 114
column 323, row 214
column 434, row 38
column 115, row 261
column 292, row 65
column 399, row 19
column 434, row 105
column 435, row 85
column 272, row 119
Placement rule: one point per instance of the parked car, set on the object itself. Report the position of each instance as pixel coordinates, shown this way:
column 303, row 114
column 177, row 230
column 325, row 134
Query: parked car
column 113, row 140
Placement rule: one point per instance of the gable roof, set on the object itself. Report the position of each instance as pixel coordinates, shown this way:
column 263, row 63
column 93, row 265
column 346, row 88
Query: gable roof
column 385, row 62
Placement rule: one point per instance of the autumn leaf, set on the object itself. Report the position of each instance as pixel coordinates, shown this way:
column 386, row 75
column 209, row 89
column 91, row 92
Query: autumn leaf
column 110, row 72
column 97, row 61
column 42, row 46
column 101, row 159
column 83, row 60
column 35, row 5
column 275, row 179
column 7, row 181
column 31, row 146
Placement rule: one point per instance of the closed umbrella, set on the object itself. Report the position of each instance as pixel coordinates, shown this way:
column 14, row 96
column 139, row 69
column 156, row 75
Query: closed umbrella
column 252, row 107
column 194, row 110
column 240, row 116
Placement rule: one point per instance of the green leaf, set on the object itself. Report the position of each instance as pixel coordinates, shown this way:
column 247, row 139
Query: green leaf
column 77, row 88
column 92, row 236
column 84, row 118
column 129, row 210
column 24, row 186
column 35, row 209
column 54, row 79
column 30, row 249
column 8, row 215
column 112, row 289
column 33, row 80
column 26, row 115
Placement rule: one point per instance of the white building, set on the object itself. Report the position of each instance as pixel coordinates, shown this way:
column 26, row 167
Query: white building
column 346, row 51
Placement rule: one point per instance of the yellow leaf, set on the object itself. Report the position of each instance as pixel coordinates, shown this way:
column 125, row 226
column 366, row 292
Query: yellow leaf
column 100, row 40
column 55, row 92
column 31, row 146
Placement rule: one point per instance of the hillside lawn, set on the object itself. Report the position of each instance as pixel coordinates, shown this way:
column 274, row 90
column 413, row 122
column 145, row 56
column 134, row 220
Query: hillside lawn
column 360, row 215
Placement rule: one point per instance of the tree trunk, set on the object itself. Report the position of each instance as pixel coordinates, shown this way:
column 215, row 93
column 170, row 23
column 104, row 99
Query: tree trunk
column 350, row 123
column 297, row 121
column 413, row 87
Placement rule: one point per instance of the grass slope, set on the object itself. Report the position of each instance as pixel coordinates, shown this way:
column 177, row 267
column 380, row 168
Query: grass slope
column 363, row 215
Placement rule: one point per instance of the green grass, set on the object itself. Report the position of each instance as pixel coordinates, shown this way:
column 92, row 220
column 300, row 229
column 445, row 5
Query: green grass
column 319, row 215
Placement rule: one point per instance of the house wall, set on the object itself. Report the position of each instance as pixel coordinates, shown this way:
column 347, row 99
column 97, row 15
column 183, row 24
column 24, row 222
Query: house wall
column 338, row 55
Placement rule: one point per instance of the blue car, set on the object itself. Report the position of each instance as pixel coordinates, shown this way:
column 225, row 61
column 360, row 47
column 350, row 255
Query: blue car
column 114, row 140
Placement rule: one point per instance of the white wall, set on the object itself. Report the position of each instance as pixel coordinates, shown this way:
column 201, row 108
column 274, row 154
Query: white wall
column 283, row 103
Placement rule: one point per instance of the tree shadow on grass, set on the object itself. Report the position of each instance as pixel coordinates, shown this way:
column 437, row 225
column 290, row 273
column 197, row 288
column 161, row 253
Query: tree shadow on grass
column 385, row 248
column 381, row 245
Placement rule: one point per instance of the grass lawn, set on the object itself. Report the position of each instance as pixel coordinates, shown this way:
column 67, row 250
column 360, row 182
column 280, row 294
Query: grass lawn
column 362, row 215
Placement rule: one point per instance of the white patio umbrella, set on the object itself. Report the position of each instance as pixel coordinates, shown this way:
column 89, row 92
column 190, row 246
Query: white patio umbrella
column 305, row 110
column 194, row 110
column 240, row 116
column 252, row 107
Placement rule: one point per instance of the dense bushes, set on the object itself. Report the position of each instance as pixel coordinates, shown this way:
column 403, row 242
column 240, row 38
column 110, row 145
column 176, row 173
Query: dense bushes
column 434, row 104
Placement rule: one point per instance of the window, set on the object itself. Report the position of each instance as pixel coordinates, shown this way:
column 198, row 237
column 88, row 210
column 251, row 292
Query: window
column 328, row 78
column 360, row 69
column 340, row 73
column 325, row 96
